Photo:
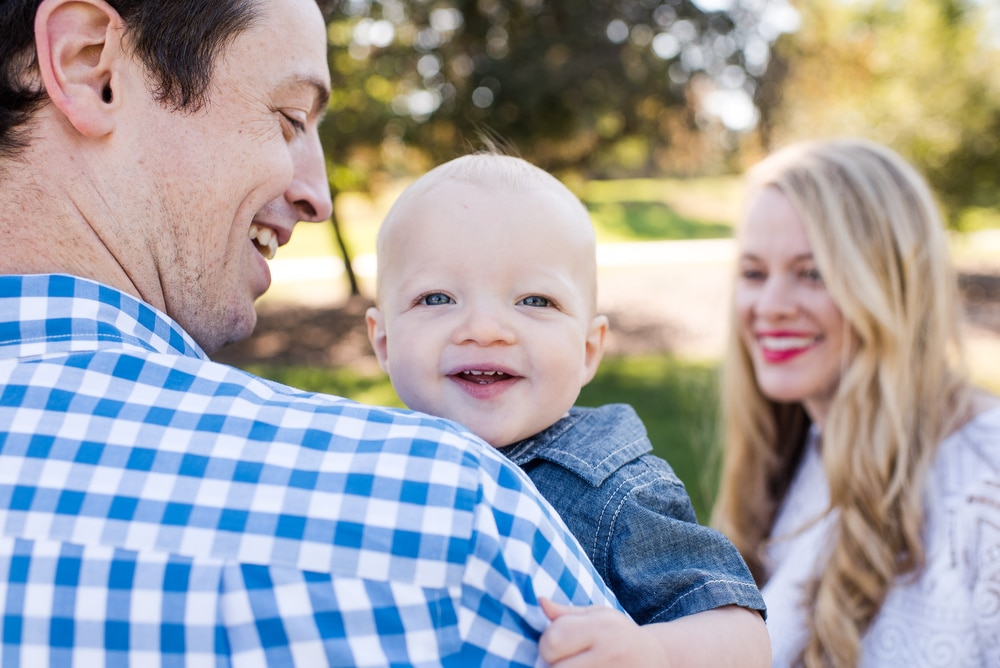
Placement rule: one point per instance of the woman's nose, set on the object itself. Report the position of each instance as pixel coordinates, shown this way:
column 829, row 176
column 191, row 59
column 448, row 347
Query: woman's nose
column 776, row 298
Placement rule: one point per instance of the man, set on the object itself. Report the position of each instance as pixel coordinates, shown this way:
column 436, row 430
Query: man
column 157, row 507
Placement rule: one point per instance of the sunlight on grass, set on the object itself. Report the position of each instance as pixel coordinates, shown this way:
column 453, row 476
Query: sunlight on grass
column 649, row 221
column 372, row 389
column 714, row 200
column 622, row 210
column 677, row 400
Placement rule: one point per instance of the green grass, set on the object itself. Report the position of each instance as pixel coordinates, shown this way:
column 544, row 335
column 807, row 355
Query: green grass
column 676, row 400
column 655, row 209
column 622, row 210
column 649, row 221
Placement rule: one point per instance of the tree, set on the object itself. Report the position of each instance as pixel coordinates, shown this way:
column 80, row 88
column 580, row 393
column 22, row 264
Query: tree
column 919, row 76
column 596, row 87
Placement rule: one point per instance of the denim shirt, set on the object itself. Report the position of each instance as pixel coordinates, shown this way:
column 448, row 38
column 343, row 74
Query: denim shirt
column 633, row 517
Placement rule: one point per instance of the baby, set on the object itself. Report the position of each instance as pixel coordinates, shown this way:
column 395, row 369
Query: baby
column 486, row 315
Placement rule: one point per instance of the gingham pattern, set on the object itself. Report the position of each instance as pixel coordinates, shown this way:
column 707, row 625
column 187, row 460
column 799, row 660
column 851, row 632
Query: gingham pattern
column 160, row 509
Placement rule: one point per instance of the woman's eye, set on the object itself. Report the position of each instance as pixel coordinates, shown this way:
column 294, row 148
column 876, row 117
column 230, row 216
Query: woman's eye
column 752, row 274
column 436, row 299
column 536, row 301
column 812, row 275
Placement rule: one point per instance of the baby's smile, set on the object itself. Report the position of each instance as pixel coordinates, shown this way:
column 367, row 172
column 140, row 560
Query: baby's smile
column 483, row 377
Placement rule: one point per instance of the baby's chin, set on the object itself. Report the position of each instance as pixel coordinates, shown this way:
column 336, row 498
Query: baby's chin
column 505, row 437
column 494, row 427
column 498, row 437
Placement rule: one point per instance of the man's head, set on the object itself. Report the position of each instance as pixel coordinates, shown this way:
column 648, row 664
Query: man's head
column 178, row 42
column 165, row 143
column 487, row 297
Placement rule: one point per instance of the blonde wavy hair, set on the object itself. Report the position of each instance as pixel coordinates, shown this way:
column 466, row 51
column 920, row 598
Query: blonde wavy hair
column 880, row 246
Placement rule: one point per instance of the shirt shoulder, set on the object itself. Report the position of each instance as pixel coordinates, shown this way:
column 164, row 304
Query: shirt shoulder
column 592, row 443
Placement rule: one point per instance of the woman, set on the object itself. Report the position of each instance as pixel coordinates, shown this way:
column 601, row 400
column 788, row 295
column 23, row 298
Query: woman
column 862, row 472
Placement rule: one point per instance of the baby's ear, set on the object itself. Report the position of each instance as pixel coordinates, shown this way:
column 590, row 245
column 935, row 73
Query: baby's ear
column 78, row 43
column 376, row 335
column 594, row 347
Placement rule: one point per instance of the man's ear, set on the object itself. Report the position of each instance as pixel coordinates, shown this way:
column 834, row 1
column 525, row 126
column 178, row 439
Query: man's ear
column 377, row 337
column 594, row 347
column 79, row 55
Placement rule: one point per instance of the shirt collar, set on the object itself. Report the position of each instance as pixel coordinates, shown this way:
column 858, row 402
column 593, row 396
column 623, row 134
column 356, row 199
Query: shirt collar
column 51, row 313
column 591, row 442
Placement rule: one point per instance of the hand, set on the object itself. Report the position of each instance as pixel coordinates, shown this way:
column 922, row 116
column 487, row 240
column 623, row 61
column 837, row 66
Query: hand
column 579, row 637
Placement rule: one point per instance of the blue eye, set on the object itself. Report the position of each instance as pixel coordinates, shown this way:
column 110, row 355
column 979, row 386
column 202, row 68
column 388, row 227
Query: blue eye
column 436, row 299
column 536, row 301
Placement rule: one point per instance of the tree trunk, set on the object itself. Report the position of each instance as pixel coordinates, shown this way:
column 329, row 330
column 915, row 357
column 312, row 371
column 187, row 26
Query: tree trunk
column 344, row 253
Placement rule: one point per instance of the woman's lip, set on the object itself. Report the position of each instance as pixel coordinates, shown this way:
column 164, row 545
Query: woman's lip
column 777, row 347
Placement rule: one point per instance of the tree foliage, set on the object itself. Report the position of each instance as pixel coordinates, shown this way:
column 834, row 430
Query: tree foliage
column 918, row 75
column 606, row 87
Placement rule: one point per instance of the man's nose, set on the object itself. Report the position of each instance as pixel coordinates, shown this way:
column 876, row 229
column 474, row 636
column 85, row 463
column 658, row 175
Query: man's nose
column 309, row 191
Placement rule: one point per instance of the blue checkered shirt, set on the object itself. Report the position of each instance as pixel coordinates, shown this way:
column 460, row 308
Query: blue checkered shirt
column 161, row 509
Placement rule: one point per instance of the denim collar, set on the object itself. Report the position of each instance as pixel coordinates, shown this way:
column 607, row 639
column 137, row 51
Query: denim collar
column 591, row 442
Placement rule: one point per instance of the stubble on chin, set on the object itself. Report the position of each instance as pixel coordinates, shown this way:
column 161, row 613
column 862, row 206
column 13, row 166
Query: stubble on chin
column 213, row 328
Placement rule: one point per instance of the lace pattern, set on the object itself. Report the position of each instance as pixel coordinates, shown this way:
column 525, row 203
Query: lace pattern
column 949, row 613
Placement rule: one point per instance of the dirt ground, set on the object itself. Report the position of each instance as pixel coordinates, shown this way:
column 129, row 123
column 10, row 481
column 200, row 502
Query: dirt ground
column 677, row 307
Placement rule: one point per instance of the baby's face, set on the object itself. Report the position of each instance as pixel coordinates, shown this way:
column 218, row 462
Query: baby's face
column 486, row 308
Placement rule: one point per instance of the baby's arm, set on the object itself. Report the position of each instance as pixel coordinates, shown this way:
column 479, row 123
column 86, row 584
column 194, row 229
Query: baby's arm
column 592, row 636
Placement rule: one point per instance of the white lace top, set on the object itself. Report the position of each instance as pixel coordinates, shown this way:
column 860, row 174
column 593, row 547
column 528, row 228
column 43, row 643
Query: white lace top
column 949, row 614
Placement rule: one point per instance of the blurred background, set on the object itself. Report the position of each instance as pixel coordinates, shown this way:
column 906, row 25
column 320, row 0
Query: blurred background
column 649, row 110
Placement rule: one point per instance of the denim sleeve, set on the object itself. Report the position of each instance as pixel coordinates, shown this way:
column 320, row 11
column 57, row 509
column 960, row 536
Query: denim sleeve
column 640, row 531
column 655, row 556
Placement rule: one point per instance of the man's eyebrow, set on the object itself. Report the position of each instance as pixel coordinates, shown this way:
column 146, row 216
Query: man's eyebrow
column 320, row 89
column 322, row 95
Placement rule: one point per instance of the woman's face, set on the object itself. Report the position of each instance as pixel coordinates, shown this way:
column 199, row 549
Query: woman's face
column 793, row 330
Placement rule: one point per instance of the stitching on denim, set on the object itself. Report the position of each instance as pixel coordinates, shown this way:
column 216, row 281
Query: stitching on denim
column 611, row 454
column 614, row 519
column 745, row 585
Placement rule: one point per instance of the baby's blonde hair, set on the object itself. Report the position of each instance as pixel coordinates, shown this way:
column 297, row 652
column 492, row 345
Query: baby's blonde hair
column 879, row 243
column 485, row 168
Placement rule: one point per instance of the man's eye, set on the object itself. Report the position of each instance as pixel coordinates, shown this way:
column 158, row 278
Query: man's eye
column 294, row 124
column 535, row 300
column 436, row 299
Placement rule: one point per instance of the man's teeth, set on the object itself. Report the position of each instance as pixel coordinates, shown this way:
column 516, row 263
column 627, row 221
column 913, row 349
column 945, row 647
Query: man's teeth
column 265, row 239
column 785, row 342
